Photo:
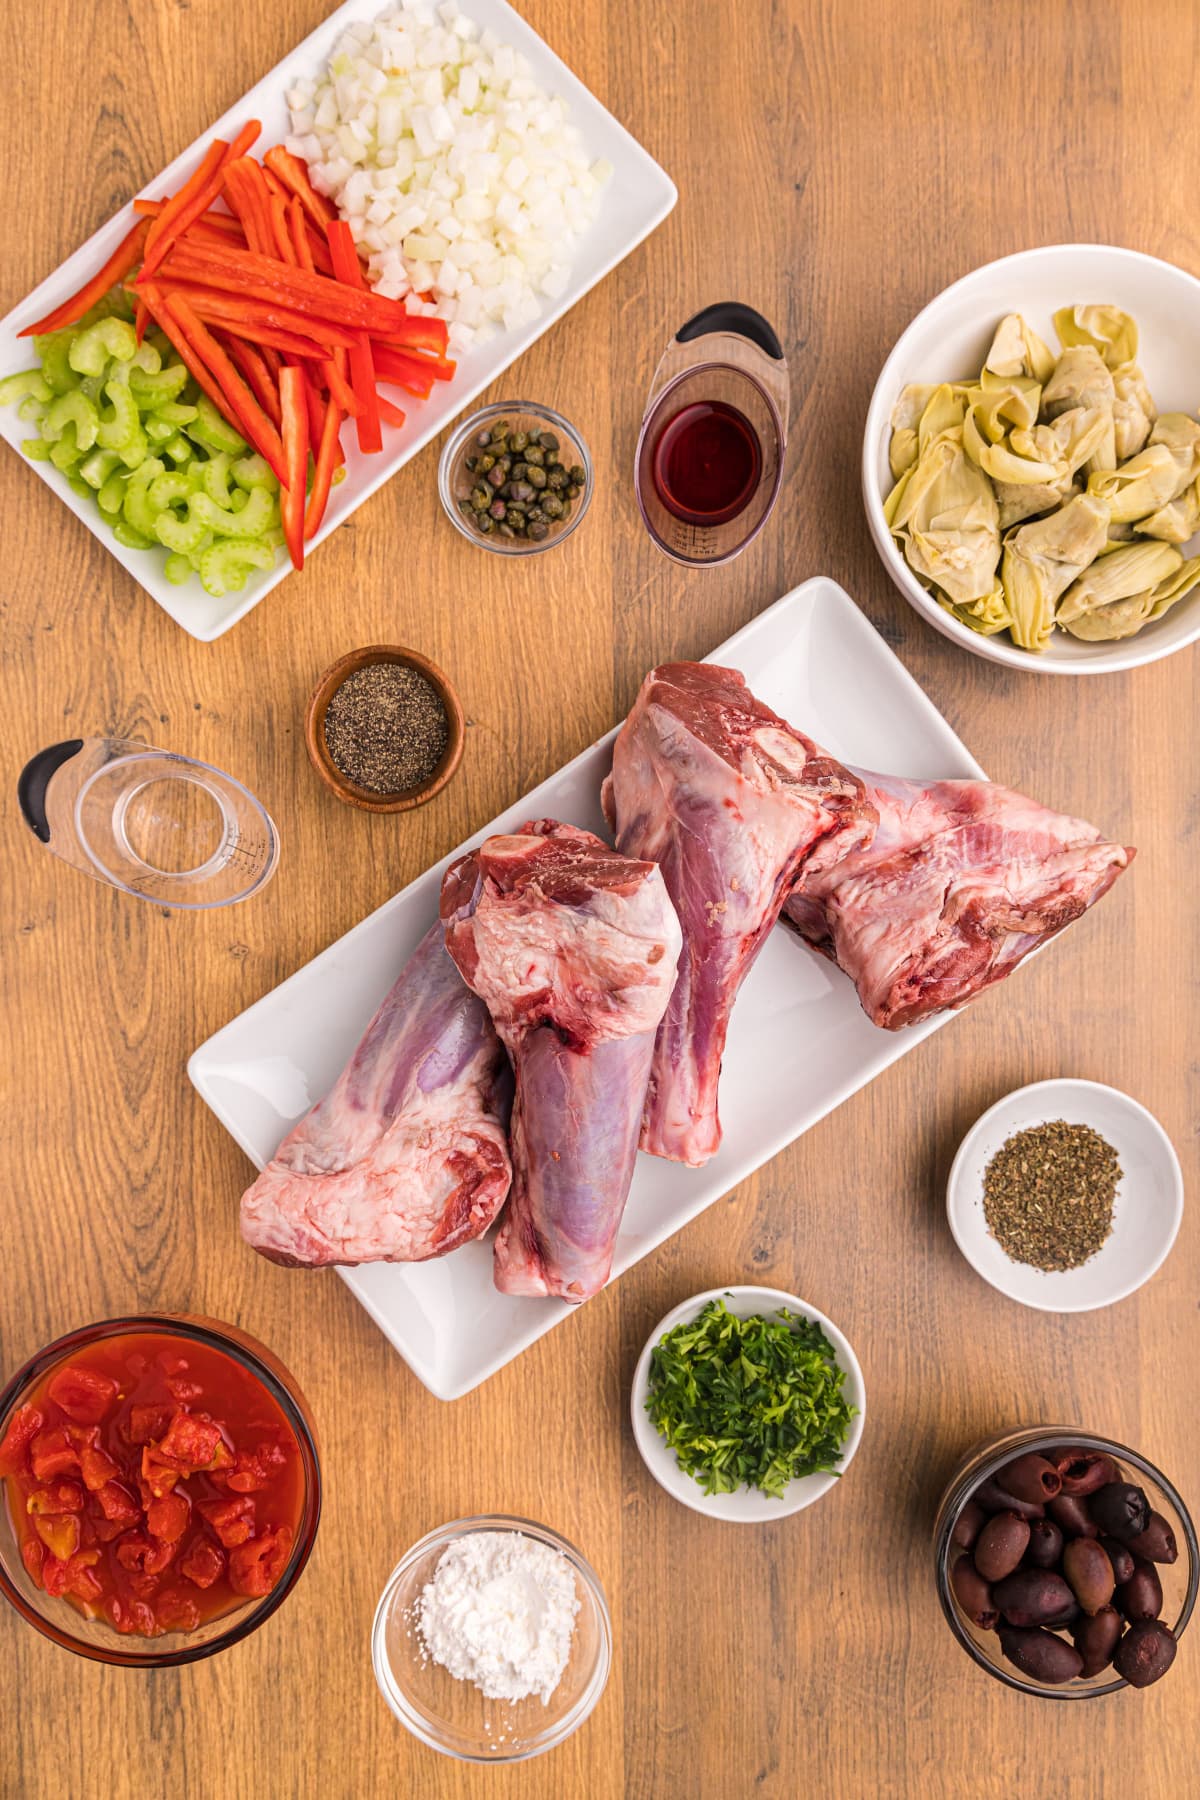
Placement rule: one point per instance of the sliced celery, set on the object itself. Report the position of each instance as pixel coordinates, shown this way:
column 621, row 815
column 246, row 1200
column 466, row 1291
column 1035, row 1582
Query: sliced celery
column 91, row 349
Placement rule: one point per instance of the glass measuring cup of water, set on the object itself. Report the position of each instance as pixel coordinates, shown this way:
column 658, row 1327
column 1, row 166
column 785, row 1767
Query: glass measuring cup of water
column 156, row 825
column 710, row 454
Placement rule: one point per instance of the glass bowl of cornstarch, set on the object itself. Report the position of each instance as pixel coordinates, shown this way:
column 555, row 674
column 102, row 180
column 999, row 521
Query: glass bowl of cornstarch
column 492, row 1640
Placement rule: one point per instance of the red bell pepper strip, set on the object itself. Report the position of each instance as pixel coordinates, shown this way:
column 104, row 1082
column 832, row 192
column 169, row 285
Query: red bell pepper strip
column 195, row 197
column 294, row 175
column 391, row 415
column 295, row 453
column 327, row 458
column 419, row 332
column 417, row 373
column 302, row 254
column 127, row 253
column 141, row 319
column 277, row 212
column 236, row 313
column 259, row 377
column 314, row 406
column 339, row 388
column 217, row 221
column 348, row 270
column 320, row 251
column 155, row 302
column 263, row 278
column 246, row 193
column 239, row 404
column 273, row 360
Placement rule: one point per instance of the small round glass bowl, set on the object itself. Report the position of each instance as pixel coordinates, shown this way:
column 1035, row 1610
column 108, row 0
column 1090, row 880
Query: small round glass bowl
column 453, row 1716
column 96, row 1639
column 1179, row 1579
column 455, row 480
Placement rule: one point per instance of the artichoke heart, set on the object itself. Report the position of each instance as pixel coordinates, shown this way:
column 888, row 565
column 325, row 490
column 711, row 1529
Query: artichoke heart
column 1134, row 411
column 1018, row 501
column 1175, row 523
column 906, row 416
column 1120, row 574
column 1042, row 559
column 1140, row 486
column 944, row 513
column 1106, row 328
column 1018, row 350
column 987, row 615
column 1002, row 461
column 1081, row 381
column 1181, row 435
column 1125, row 617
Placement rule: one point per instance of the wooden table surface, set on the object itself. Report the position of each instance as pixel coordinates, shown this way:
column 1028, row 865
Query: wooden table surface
column 837, row 164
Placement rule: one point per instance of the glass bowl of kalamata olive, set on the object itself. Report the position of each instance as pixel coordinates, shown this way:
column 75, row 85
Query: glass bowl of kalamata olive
column 515, row 478
column 1066, row 1563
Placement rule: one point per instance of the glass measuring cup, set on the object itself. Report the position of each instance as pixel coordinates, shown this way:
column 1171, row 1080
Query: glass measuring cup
column 710, row 453
column 156, row 825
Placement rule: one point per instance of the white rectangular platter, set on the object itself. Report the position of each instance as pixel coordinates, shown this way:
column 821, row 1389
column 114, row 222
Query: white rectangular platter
column 638, row 196
column 799, row 1043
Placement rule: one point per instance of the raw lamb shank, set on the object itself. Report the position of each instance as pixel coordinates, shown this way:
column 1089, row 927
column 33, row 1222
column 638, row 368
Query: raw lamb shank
column 961, row 881
column 407, row 1155
column 730, row 800
column 573, row 948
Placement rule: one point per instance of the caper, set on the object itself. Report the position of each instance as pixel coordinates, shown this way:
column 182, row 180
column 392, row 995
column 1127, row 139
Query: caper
column 536, row 515
column 538, row 529
column 556, row 477
column 536, row 456
column 574, row 491
column 519, row 471
column 518, row 442
column 496, row 477
column 552, row 506
column 481, row 499
column 566, row 509
column 516, row 513
column 499, row 430
column 535, row 435
column 549, row 441
column 484, row 439
column 577, row 475
column 484, row 464
column 484, row 521
column 537, row 478
column 506, row 531
column 498, row 509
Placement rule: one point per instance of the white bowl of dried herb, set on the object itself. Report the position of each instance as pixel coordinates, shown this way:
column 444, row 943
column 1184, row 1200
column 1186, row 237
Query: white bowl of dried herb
column 1066, row 1195
column 748, row 1404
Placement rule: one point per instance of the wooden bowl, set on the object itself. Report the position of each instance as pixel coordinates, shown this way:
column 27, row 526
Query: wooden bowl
column 318, row 752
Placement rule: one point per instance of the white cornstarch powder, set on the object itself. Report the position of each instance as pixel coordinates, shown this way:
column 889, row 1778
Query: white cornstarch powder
column 500, row 1611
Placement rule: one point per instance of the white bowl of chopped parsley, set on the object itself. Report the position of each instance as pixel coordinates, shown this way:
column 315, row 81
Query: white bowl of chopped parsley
column 748, row 1404
column 1066, row 1195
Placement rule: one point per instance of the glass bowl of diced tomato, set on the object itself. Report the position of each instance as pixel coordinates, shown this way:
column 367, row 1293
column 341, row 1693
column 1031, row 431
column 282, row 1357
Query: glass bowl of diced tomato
column 160, row 1489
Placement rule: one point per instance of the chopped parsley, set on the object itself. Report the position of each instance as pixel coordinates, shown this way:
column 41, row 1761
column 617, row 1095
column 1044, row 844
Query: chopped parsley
column 749, row 1402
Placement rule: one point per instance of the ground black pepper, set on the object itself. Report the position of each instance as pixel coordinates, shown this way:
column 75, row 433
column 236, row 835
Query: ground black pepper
column 1048, row 1194
column 385, row 728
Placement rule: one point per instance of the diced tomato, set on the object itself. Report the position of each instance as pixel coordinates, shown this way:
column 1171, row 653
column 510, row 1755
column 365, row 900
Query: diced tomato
column 55, row 1575
column 52, row 1453
column 33, row 1555
column 176, row 1612
column 203, row 1563
column 97, row 1468
column 85, row 1394
column 22, row 1428
column 105, row 1530
column 160, row 1477
column 81, row 1578
column 183, row 1390
column 60, row 1534
column 57, row 1497
column 254, row 1469
column 117, row 1503
column 142, row 1557
column 131, row 1616
column 168, row 1519
column 232, row 1520
column 255, row 1567
column 171, row 1363
column 146, row 1423
column 190, row 1442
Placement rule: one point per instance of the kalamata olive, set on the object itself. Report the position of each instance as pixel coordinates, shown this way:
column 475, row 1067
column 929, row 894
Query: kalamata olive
column 973, row 1593
column 991, row 1496
column 1140, row 1597
column 1089, row 1573
column 1120, row 1510
column 1045, row 1544
column 1083, row 1471
column 1031, row 1478
column 1069, row 1511
column 1096, row 1638
column 1145, row 1652
column 1157, row 1542
column 1032, row 1596
column 1121, row 1558
column 1065, row 1618
column 1040, row 1654
column 967, row 1525
column 1001, row 1545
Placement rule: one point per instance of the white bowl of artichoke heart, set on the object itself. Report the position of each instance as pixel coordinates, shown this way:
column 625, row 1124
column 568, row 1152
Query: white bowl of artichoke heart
column 1031, row 463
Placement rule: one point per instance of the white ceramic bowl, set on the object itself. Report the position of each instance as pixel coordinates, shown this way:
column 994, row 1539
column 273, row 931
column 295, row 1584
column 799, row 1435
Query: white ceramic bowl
column 747, row 1506
column 1146, row 1214
column 950, row 339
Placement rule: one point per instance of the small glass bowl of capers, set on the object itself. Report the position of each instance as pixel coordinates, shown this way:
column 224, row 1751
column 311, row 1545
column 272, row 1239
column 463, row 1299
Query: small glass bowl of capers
column 515, row 478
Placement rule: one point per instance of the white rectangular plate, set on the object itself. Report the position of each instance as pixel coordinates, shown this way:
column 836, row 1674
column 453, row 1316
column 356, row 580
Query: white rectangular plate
column 799, row 1043
column 638, row 197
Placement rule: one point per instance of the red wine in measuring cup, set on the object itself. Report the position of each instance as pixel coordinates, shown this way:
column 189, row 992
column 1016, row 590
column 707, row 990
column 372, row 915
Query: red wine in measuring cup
column 707, row 462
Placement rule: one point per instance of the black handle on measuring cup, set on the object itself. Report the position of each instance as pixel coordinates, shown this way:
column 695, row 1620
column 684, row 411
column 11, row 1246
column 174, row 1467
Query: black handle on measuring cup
column 735, row 316
column 34, row 780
